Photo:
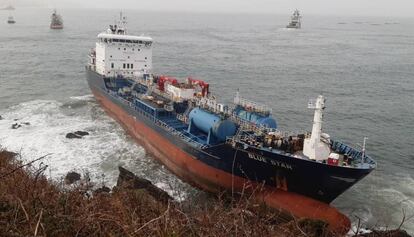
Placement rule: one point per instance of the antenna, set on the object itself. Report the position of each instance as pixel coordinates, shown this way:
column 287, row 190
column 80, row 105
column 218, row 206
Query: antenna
column 363, row 149
column 237, row 97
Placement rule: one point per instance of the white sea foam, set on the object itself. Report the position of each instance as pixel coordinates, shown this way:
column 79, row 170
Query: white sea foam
column 398, row 202
column 46, row 134
column 99, row 153
column 83, row 97
column 355, row 229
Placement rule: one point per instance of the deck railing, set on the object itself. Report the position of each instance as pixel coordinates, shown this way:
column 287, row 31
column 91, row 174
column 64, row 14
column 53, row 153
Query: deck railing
column 355, row 154
column 252, row 105
column 159, row 122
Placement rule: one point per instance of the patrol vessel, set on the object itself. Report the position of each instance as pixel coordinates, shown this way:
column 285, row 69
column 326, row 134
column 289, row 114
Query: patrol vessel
column 295, row 20
column 56, row 22
column 215, row 146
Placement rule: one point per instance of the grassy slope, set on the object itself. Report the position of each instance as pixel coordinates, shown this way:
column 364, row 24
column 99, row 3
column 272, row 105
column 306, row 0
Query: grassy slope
column 31, row 205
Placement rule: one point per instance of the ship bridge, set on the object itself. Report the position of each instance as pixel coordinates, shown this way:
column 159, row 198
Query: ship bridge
column 120, row 54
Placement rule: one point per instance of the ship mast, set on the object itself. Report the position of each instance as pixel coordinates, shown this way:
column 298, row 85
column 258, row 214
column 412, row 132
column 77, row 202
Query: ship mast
column 122, row 22
column 364, row 149
column 313, row 146
column 319, row 106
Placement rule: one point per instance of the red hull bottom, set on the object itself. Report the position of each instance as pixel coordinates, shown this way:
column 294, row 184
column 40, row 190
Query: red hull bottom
column 211, row 179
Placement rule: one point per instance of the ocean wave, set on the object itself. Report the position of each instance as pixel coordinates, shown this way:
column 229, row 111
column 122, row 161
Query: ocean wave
column 44, row 125
column 83, row 97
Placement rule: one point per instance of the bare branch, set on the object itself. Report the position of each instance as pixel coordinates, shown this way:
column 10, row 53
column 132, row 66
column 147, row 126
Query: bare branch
column 22, row 166
column 24, row 209
column 38, row 222
column 403, row 220
column 155, row 219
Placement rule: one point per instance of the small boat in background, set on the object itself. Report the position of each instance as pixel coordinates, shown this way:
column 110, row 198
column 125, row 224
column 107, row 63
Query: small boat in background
column 11, row 20
column 56, row 21
column 295, row 21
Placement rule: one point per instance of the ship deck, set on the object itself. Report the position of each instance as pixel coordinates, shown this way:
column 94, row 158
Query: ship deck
column 162, row 118
column 153, row 106
column 357, row 159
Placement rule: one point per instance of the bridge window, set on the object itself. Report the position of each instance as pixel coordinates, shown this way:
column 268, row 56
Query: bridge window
column 112, row 65
column 124, row 49
column 128, row 65
column 124, row 66
column 132, row 66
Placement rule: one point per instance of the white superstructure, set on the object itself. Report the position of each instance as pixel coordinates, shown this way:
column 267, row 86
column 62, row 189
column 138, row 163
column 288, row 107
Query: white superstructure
column 295, row 20
column 118, row 53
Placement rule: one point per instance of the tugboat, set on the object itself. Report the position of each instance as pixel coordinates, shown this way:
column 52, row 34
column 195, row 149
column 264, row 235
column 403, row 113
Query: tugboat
column 11, row 20
column 56, row 21
column 215, row 146
column 295, row 20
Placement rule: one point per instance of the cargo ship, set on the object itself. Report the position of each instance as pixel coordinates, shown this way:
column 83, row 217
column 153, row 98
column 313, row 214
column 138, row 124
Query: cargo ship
column 56, row 22
column 295, row 20
column 215, row 146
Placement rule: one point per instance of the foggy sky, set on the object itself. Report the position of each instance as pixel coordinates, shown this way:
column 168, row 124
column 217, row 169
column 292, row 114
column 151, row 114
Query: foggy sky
column 404, row 8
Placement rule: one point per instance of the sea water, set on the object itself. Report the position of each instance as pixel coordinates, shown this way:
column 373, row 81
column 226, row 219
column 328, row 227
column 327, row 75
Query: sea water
column 363, row 65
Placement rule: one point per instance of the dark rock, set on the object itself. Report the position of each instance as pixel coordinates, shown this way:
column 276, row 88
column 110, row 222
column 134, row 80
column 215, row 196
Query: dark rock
column 15, row 126
column 102, row 189
column 72, row 136
column 129, row 180
column 77, row 134
column 387, row 233
column 1, row 118
column 72, row 177
column 19, row 125
column 81, row 133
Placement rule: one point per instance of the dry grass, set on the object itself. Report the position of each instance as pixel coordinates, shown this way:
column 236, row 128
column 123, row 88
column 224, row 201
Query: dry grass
column 31, row 205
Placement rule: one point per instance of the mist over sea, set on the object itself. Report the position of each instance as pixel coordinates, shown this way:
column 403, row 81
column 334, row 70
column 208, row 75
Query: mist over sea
column 363, row 65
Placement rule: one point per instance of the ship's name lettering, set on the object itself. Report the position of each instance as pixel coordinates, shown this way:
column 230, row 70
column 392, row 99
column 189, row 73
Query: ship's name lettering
column 272, row 162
